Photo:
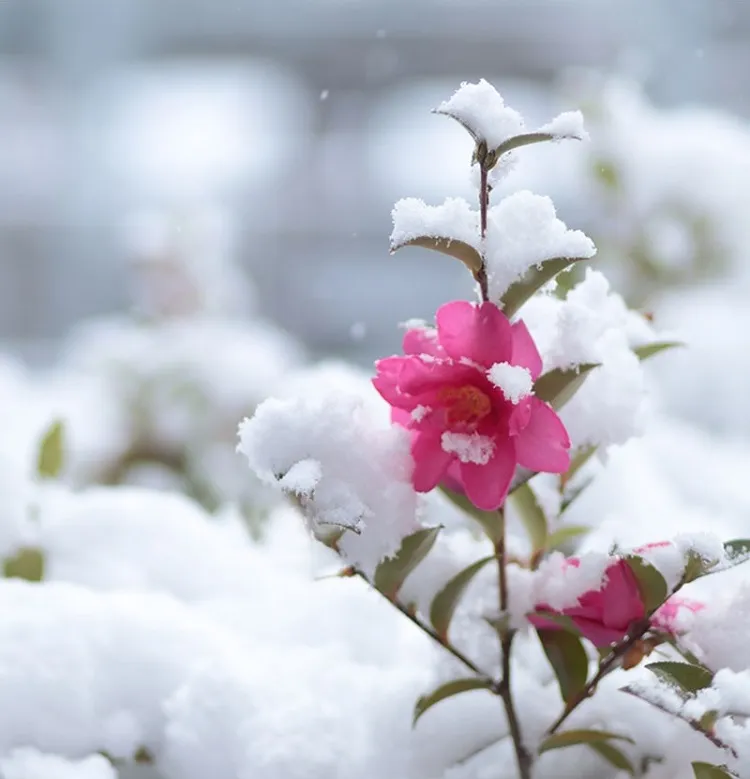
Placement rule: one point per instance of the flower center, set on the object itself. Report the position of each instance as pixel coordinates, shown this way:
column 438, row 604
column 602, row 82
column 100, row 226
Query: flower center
column 465, row 405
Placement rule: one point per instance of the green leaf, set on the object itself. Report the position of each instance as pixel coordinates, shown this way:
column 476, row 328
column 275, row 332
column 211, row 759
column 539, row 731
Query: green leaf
column 561, row 620
column 51, row 452
column 531, row 515
column 558, row 386
column 27, row 563
column 564, row 534
column 392, row 572
column 572, row 737
column 568, row 659
column 709, row 771
column 649, row 350
column 685, row 676
column 526, row 139
column 520, row 291
column 448, row 690
column 490, row 521
column 580, row 458
column 460, row 250
column 651, row 584
column 613, row 756
column 445, row 602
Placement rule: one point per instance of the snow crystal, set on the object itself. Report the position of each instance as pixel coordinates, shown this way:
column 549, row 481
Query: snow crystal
column 468, row 447
column 513, row 380
column 27, row 763
column 364, row 467
column 569, row 124
column 302, row 478
column 481, row 109
column 522, row 232
column 453, row 220
column 560, row 585
column 420, row 412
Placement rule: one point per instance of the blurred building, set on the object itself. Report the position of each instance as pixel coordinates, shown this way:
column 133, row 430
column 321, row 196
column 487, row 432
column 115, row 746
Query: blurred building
column 302, row 121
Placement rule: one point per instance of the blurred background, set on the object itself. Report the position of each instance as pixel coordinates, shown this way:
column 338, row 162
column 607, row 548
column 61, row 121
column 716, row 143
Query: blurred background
column 282, row 131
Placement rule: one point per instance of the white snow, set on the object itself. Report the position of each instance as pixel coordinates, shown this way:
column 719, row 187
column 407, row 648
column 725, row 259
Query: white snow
column 454, row 220
column 468, row 447
column 481, row 109
column 513, row 380
column 568, row 124
column 361, row 476
column 27, row 763
column 522, row 232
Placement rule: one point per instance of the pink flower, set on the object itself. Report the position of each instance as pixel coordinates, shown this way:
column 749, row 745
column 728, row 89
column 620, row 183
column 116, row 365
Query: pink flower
column 464, row 391
column 604, row 616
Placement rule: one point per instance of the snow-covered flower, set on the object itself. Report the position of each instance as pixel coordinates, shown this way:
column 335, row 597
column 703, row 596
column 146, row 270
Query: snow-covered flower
column 606, row 614
column 465, row 392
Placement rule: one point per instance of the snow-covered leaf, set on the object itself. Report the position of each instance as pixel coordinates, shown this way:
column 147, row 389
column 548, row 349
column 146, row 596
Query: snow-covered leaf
column 710, row 771
column 572, row 737
column 52, row 451
column 27, row 563
column 534, row 279
column 564, row 534
column 614, row 756
column 448, row 690
column 462, row 251
column 531, row 515
column 558, row 386
column 686, row 677
column 489, row 521
column 392, row 572
column 445, row 602
column 649, row 350
column 651, row 584
column 568, row 659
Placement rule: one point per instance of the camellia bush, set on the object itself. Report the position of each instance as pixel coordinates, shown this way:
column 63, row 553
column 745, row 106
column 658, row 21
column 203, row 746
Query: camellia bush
column 502, row 407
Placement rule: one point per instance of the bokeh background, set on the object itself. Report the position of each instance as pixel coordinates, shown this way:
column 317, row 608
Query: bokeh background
column 285, row 129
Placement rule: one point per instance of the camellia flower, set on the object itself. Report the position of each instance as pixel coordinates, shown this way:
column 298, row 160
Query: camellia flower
column 464, row 389
column 604, row 616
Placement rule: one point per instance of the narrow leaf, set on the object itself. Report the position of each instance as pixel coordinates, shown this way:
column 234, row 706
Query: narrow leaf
column 27, row 563
column 564, row 534
column 580, row 458
column 613, row 756
column 561, row 620
column 651, row 583
column 709, row 771
column 391, row 573
column 685, row 676
column 445, row 602
column 520, row 291
column 558, row 386
column 531, row 515
column 649, row 350
column 524, row 140
column 568, row 659
column 448, row 690
column 572, row 737
column 51, row 452
column 460, row 250
column 489, row 520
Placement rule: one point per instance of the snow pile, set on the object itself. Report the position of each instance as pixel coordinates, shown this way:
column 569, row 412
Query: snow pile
column 522, row 232
column 454, row 220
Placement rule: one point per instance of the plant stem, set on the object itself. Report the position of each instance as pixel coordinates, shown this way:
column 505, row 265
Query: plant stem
column 605, row 666
column 523, row 756
column 412, row 617
column 484, row 202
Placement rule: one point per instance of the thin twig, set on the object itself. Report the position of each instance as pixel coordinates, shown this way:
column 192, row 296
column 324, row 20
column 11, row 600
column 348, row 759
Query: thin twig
column 523, row 756
column 430, row 631
column 484, row 203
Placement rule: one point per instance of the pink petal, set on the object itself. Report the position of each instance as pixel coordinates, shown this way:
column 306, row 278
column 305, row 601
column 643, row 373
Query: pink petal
column 430, row 461
column 623, row 604
column 525, row 352
column 480, row 333
column 452, row 478
column 544, row 444
column 418, row 378
column 486, row 486
column 400, row 416
column 422, row 340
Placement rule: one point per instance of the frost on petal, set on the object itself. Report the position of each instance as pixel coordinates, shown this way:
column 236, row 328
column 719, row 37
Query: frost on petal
column 454, row 220
column 468, row 447
column 352, row 469
column 487, row 484
column 568, row 124
column 523, row 231
column 512, row 380
column 481, row 109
